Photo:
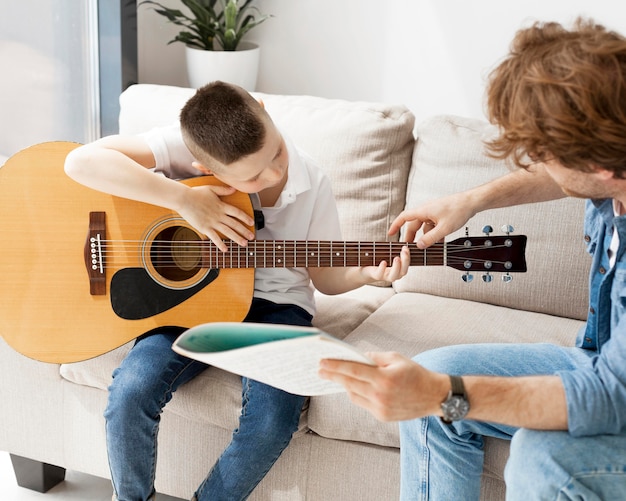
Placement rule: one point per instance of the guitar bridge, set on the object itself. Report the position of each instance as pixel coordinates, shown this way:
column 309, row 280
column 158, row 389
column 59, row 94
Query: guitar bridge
column 94, row 253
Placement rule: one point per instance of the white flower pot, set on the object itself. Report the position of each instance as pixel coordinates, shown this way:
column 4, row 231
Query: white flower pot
column 239, row 67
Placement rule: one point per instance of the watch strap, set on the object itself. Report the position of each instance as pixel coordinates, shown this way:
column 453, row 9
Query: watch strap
column 458, row 388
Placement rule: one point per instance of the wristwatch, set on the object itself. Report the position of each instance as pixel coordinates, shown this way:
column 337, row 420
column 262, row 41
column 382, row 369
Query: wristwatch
column 456, row 406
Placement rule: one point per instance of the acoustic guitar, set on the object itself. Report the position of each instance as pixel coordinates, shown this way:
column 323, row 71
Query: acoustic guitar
column 84, row 272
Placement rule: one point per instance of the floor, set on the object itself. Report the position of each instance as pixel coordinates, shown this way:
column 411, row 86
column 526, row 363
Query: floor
column 76, row 487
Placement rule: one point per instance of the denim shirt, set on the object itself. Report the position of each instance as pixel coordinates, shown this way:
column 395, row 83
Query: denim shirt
column 596, row 394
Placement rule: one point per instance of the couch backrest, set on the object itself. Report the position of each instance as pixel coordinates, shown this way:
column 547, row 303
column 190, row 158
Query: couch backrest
column 365, row 148
column 450, row 157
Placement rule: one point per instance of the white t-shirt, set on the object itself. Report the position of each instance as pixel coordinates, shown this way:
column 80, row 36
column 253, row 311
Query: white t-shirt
column 305, row 210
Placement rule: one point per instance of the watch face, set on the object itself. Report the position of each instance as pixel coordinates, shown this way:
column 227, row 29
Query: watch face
column 455, row 408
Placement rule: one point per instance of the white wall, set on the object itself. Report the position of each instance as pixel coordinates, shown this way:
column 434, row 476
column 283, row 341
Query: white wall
column 431, row 55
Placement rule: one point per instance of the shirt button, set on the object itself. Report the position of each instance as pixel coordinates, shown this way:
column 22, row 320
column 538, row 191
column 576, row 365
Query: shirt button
column 587, row 238
column 602, row 270
column 588, row 340
column 592, row 310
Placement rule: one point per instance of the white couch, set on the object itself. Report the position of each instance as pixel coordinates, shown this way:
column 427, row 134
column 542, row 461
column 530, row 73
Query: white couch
column 53, row 414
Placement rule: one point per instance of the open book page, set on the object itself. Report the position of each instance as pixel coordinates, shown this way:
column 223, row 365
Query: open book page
column 283, row 356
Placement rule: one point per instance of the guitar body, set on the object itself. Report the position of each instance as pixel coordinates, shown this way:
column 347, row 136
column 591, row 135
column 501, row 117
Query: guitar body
column 48, row 306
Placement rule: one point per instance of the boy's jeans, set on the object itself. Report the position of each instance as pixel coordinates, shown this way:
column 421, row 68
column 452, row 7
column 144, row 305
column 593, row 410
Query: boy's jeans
column 145, row 382
column 443, row 462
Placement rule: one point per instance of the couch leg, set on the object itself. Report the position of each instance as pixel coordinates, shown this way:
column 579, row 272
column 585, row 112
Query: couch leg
column 36, row 475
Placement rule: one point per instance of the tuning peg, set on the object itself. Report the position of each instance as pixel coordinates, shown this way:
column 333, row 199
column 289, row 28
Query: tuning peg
column 468, row 277
column 507, row 278
column 487, row 278
column 507, row 228
column 487, row 229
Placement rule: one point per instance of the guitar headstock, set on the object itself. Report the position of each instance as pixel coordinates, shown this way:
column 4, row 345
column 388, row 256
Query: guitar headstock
column 486, row 254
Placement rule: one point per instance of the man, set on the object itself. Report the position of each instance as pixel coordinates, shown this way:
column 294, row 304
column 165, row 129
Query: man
column 559, row 99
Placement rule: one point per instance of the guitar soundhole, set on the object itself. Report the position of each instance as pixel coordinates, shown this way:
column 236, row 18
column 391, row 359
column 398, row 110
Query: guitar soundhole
column 175, row 253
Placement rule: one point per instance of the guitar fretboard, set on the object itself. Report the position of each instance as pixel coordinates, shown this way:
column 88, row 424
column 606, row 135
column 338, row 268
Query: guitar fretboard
column 315, row 254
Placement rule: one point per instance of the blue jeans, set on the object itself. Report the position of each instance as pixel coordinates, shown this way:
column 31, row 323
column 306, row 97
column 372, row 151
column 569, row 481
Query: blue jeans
column 144, row 383
column 443, row 462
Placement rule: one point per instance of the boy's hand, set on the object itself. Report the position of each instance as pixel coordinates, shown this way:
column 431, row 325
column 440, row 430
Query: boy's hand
column 337, row 280
column 204, row 209
column 399, row 267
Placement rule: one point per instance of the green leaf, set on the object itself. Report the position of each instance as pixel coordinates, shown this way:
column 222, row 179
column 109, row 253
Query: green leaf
column 207, row 21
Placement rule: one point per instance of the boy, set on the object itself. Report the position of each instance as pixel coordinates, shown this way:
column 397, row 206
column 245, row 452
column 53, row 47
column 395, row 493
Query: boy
column 225, row 132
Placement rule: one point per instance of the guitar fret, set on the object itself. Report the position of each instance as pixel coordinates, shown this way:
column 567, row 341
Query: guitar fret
column 445, row 255
column 319, row 253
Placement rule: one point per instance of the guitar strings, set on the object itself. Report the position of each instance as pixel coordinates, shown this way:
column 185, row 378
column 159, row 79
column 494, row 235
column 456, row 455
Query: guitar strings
column 286, row 251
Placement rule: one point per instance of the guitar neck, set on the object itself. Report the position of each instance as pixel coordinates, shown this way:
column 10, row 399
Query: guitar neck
column 316, row 254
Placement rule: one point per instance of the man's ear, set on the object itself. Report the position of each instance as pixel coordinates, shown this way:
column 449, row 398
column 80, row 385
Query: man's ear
column 202, row 168
column 261, row 103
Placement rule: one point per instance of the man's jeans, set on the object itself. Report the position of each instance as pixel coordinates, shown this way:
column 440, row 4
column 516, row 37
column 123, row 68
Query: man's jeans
column 145, row 382
column 443, row 462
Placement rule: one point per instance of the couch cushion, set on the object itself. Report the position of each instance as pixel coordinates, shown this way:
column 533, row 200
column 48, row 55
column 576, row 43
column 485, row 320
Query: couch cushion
column 196, row 400
column 365, row 148
column 450, row 157
column 341, row 314
column 411, row 323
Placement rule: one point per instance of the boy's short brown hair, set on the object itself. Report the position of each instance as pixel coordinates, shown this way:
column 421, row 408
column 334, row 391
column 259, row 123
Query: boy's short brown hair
column 223, row 122
column 561, row 95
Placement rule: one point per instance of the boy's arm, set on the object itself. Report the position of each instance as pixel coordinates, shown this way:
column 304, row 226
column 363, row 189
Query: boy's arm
column 119, row 165
column 337, row 280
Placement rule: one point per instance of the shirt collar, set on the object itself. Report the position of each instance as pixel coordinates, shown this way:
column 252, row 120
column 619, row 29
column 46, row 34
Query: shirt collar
column 606, row 209
column 297, row 181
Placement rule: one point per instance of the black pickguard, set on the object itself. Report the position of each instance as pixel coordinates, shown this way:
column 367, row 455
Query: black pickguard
column 135, row 295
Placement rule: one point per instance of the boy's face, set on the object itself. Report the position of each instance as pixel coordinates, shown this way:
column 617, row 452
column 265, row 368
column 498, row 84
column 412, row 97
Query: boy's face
column 267, row 168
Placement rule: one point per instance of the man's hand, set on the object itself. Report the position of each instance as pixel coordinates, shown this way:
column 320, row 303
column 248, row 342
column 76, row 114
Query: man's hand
column 436, row 218
column 395, row 389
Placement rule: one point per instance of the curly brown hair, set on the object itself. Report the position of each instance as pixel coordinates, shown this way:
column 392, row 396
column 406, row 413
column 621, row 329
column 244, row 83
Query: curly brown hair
column 561, row 95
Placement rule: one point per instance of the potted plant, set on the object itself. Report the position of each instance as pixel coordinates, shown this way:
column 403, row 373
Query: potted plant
column 212, row 33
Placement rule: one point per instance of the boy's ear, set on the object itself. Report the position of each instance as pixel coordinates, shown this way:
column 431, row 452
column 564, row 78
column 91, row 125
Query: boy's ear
column 202, row 168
